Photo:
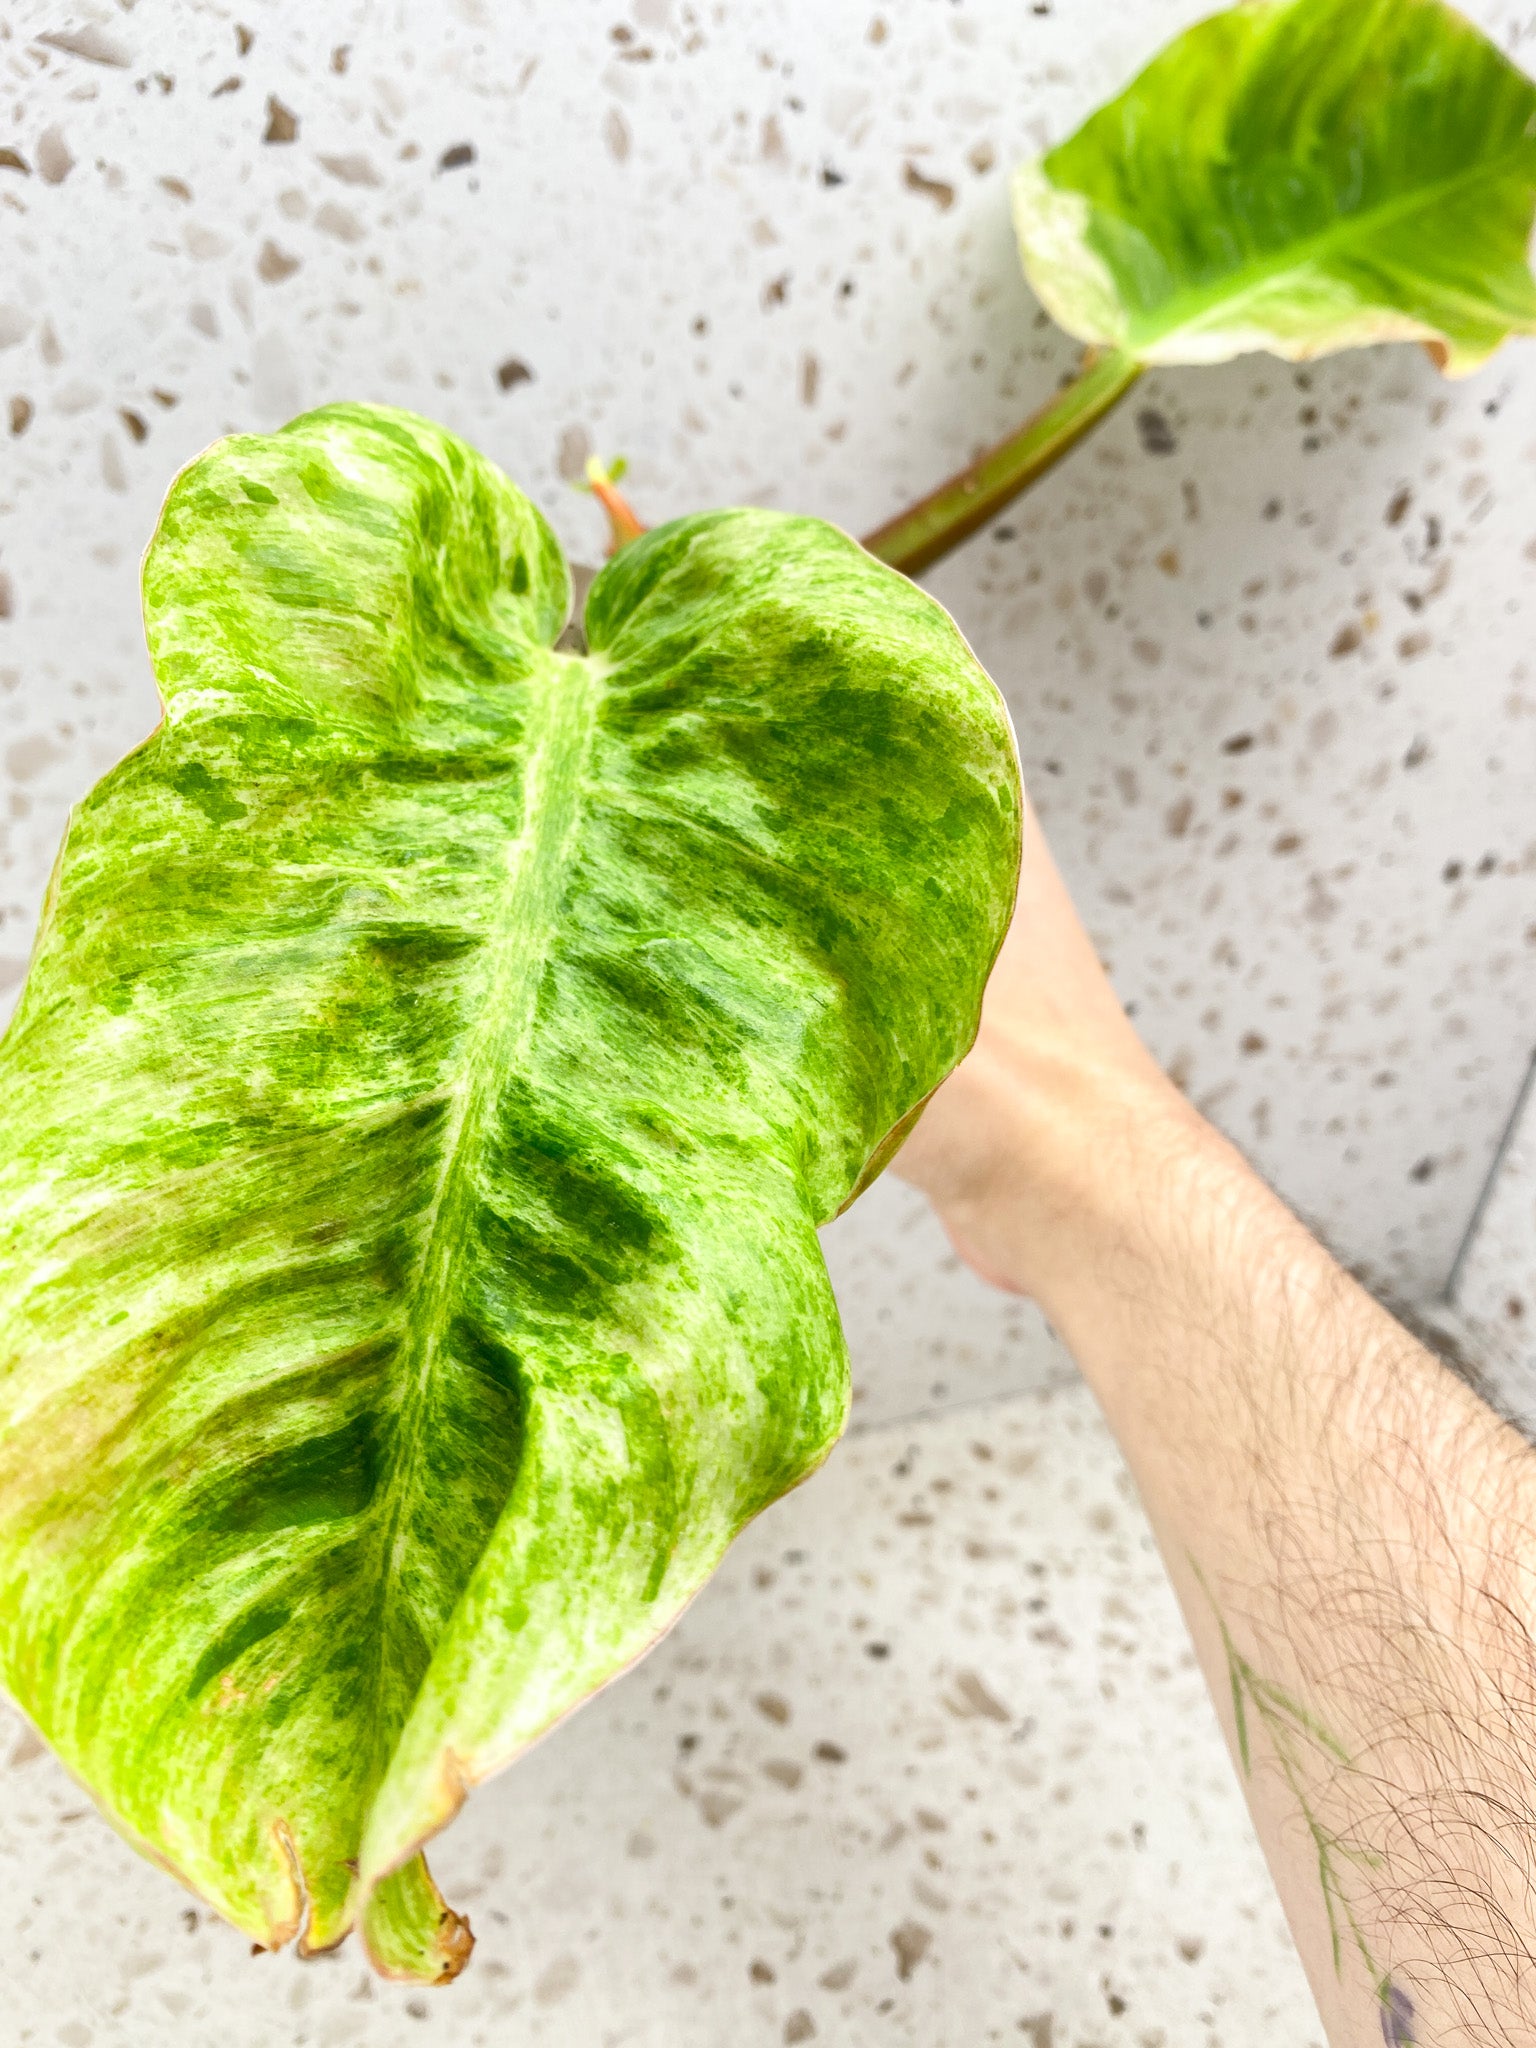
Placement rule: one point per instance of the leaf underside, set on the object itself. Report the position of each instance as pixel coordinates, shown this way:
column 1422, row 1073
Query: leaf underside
column 437, row 1057
column 1300, row 176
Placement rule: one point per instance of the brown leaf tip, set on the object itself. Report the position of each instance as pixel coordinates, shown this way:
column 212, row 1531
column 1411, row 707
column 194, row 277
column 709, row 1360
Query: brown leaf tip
column 454, row 1943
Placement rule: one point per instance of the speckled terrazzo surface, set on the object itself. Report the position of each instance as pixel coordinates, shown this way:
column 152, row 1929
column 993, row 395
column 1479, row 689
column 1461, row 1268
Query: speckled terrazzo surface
column 929, row 1762
column 1266, row 642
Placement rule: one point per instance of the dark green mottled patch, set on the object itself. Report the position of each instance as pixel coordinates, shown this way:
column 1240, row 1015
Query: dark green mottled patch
column 231, row 1644
column 212, row 797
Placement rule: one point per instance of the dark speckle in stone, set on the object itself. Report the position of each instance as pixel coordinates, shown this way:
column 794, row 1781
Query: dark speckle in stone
column 916, row 180
column 911, row 1943
column 1346, row 640
column 1157, row 436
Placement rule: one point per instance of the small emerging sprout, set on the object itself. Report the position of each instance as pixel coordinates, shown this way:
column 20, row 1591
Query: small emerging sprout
column 602, row 480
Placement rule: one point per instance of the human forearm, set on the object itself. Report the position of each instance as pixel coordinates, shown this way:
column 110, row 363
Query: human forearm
column 1348, row 1529
column 1348, row 1526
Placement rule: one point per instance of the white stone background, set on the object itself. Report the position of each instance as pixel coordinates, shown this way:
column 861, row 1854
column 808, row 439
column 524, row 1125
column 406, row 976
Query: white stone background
column 1275, row 701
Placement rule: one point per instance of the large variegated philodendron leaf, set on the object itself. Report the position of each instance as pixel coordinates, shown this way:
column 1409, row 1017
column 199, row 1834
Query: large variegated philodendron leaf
column 438, row 1055
column 1299, row 176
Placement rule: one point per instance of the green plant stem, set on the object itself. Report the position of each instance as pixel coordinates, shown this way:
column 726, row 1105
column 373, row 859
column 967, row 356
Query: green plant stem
column 925, row 533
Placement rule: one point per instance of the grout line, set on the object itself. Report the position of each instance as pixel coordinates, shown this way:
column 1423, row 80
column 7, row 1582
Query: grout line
column 1480, row 1207
column 938, row 1409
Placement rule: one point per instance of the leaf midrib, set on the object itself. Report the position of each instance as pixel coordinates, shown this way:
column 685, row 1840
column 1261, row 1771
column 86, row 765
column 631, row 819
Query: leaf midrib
column 1186, row 310
column 563, row 696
